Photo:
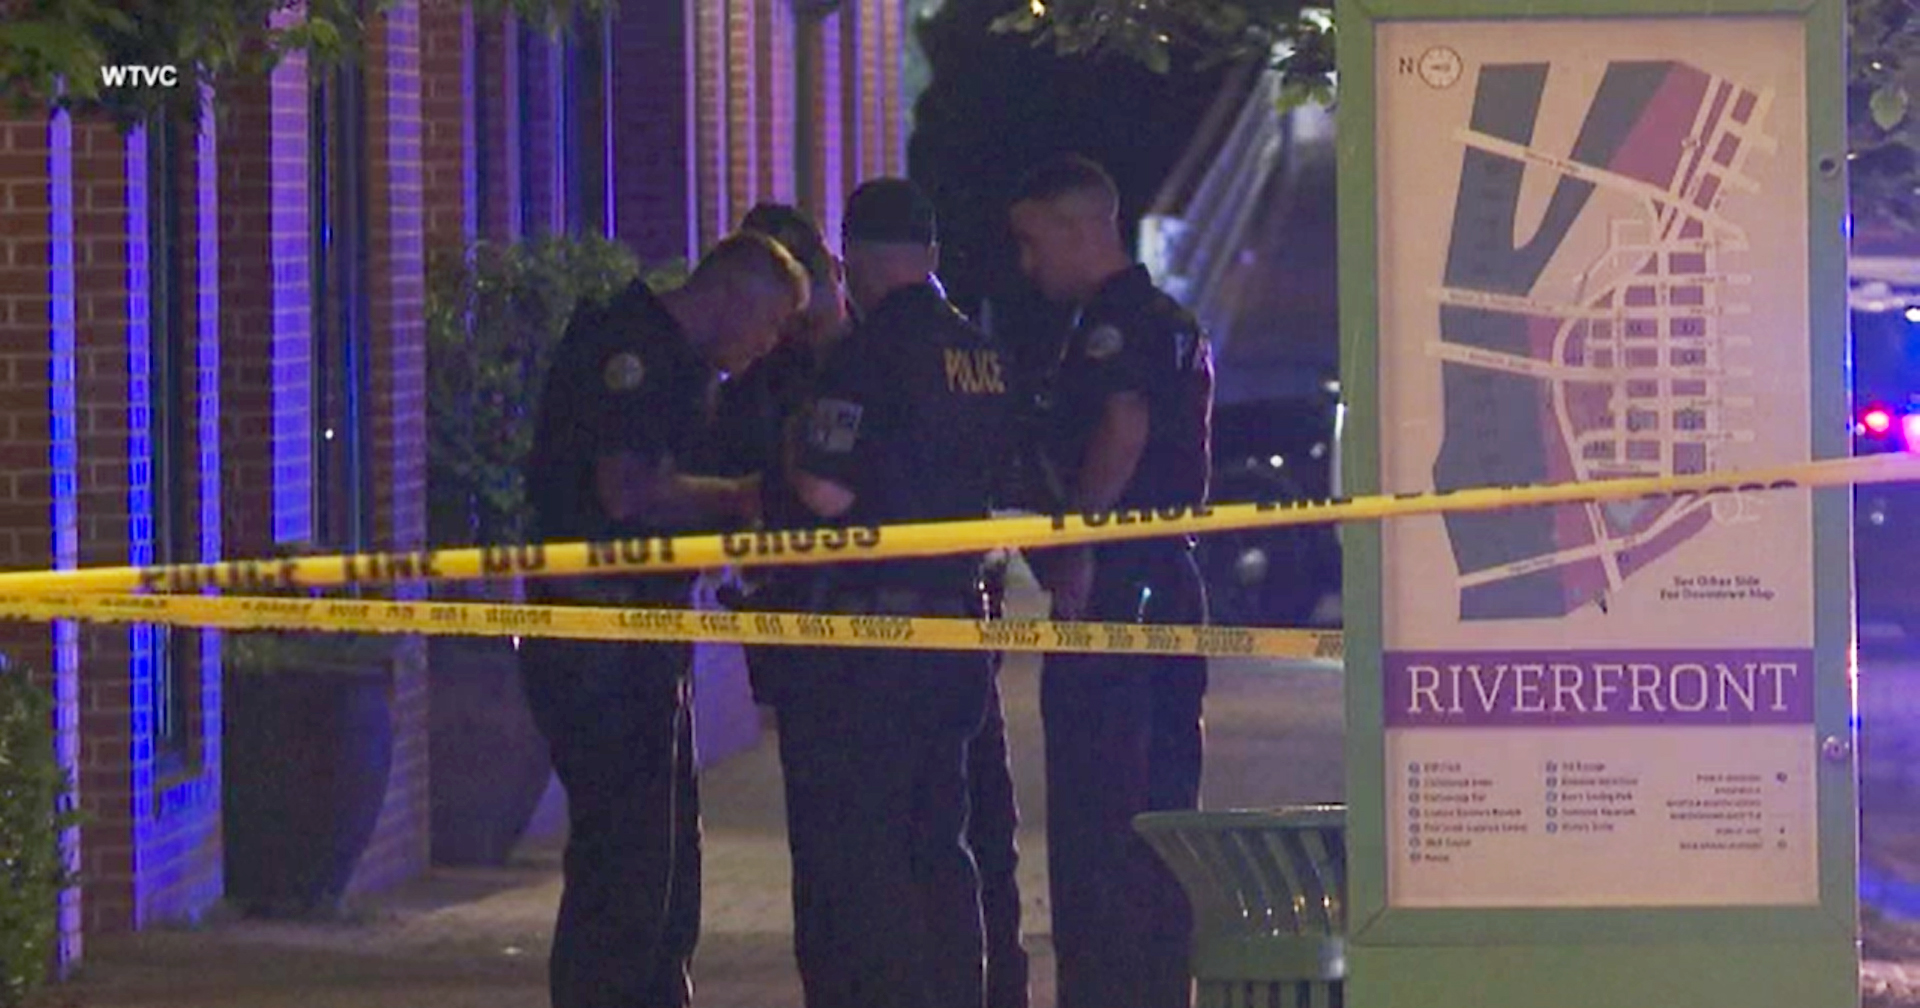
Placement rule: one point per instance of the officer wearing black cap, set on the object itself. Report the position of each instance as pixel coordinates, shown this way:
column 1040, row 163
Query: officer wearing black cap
column 1130, row 417
column 907, row 426
column 622, row 419
column 756, row 413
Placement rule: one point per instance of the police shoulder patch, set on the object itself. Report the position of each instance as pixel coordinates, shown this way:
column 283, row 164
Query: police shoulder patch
column 624, row 372
column 1104, row 341
column 836, row 425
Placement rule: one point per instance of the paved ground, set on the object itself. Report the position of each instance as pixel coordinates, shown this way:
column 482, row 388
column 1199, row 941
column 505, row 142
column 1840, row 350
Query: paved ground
column 477, row 939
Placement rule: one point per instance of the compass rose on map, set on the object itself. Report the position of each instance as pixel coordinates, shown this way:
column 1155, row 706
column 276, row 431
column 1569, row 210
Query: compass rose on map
column 1440, row 67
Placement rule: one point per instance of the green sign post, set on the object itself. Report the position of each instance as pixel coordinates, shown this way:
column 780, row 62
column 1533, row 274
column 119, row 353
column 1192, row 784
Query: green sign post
column 1597, row 755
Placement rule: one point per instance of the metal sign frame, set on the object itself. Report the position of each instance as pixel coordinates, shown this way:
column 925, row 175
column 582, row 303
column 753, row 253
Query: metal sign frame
column 1402, row 957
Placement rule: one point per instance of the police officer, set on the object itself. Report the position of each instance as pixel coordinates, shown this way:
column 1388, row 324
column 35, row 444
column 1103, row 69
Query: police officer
column 1131, row 408
column 757, row 409
column 623, row 412
column 906, row 427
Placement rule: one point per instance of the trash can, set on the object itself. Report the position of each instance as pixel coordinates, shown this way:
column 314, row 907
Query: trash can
column 1269, row 896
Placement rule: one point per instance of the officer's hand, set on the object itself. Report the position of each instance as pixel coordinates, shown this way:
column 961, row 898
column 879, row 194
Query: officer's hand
column 750, row 502
column 1069, row 579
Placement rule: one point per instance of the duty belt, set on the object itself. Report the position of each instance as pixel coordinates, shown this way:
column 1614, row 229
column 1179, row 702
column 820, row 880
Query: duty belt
column 900, row 601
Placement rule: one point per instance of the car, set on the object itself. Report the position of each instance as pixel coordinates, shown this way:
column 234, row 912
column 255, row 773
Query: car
column 1886, row 394
column 1274, row 449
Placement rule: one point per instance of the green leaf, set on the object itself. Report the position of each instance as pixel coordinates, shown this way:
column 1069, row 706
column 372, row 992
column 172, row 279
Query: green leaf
column 1889, row 106
column 1157, row 59
column 1018, row 21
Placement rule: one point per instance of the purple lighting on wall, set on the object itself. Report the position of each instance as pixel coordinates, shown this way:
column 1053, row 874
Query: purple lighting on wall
column 143, row 638
column 64, row 463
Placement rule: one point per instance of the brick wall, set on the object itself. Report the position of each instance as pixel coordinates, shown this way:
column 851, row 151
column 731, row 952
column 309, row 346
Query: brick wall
column 446, row 32
column 656, row 192
column 497, row 70
column 774, row 110
column 177, row 834
column 891, row 137
column 827, row 173
column 541, row 119
column 37, row 326
column 110, row 259
column 396, row 274
column 712, row 139
column 744, row 132
column 853, row 118
column 26, row 369
column 592, row 127
column 266, row 323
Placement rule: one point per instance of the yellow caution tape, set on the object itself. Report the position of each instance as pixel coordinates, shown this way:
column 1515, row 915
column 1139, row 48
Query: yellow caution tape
column 840, row 545
column 606, row 623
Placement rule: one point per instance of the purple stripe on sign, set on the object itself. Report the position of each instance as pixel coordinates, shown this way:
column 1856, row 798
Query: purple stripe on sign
column 1512, row 689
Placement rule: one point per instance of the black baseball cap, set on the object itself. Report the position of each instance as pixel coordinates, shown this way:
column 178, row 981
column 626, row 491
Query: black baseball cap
column 892, row 210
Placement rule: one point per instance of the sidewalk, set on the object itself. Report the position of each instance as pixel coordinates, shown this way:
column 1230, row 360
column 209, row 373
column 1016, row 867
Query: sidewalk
column 479, row 938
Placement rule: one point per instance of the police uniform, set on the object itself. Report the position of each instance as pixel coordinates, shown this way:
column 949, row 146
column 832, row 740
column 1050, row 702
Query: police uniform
column 1123, row 734
column 753, row 421
column 616, row 715
column 910, row 414
column 993, row 822
column 755, row 411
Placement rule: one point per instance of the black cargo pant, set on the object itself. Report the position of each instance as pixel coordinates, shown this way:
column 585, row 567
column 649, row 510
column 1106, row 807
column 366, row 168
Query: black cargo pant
column 1123, row 736
column 993, row 818
column 780, row 675
column 618, row 720
column 886, row 894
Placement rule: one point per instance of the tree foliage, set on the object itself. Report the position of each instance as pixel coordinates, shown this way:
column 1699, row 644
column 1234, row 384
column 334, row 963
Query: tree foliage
column 1883, row 67
column 53, row 52
column 36, row 792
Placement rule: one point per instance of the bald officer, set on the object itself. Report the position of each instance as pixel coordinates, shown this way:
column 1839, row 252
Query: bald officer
column 625, row 408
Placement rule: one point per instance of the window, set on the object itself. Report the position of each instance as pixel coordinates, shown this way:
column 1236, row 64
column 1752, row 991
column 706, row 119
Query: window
column 533, row 216
column 584, row 109
column 160, row 502
column 342, row 512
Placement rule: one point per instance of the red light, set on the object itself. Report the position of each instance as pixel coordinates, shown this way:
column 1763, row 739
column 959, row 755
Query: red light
column 1877, row 421
column 1910, row 431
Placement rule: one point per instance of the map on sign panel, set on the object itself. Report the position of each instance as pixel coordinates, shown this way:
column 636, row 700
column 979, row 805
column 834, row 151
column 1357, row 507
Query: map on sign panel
column 1609, row 341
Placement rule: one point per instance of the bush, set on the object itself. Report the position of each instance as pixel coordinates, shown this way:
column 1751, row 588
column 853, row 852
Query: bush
column 494, row 316
column 34, row 789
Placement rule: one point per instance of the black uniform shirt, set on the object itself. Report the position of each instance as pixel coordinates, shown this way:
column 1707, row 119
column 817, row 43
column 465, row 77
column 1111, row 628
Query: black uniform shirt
column 750, row 427
column 911, row 415
column 1131, row 337
column 623, row 379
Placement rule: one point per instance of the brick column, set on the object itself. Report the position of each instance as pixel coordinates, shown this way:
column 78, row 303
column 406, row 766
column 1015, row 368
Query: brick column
column 592, row 104
column 774, row 69
column 497, row 91
column 854, row 91
column 655, row 167
column 541, row 119
column 176, row 804
column 891, row 103
column 744, row 129
column 396, row 281
column 712, row 139
column 828, row 136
